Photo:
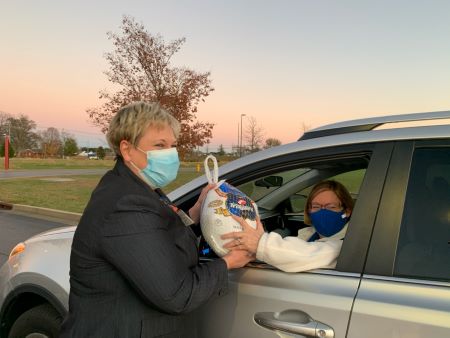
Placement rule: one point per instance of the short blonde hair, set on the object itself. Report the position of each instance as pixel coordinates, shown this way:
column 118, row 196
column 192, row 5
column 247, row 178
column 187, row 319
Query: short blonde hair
column 132, row 120
column 338, row 188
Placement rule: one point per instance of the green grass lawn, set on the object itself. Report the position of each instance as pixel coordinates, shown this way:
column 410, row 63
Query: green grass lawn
column 42, row 192
column 68, row 193
column 71, row 193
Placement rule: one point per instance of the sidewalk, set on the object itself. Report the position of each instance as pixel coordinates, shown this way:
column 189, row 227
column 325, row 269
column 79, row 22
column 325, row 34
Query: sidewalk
column 65, row 217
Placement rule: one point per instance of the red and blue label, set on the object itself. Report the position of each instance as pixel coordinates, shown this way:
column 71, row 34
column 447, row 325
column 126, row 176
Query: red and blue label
column 237, row 203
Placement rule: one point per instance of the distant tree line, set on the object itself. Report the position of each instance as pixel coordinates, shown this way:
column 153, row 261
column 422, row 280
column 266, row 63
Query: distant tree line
column 53, row 143
column 25, row 138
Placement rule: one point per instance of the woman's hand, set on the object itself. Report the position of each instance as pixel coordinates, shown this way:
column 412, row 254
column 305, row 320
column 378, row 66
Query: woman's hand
column 194, row 212
column 247, row 239
column 237, row 258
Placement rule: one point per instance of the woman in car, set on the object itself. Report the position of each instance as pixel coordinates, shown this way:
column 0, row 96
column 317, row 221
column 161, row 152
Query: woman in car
column 327, row 211
column 134, row 269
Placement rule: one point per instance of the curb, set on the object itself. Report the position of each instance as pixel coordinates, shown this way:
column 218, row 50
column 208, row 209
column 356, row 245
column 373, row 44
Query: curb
column 64, row 216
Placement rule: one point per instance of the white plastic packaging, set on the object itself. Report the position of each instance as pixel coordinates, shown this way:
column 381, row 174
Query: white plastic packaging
column 219, row 204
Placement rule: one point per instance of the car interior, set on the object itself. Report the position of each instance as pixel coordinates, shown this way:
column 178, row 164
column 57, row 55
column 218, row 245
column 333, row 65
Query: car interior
column 425, row 233
column 281, row 196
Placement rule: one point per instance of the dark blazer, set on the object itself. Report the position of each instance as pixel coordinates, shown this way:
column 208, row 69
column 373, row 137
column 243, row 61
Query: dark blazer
column 134, row 269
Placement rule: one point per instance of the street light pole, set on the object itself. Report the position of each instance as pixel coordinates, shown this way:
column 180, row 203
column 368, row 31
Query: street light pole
column 239, row 140
column 6, row 152
column 64, row 142
column 240, row 146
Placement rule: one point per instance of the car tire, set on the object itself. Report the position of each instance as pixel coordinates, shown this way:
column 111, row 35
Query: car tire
column 42, row 321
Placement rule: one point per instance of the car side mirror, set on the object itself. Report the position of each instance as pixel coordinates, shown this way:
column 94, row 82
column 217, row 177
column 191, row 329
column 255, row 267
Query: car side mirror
column 270, row 182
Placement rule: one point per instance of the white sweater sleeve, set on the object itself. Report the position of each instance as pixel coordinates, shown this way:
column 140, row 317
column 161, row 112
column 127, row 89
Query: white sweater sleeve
column 293, row 254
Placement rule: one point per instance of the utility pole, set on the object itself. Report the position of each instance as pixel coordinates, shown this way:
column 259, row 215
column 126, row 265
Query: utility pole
column 240, row 145
column 6, row 152
column 64, row 143
column 7, row 147
column 238, row 140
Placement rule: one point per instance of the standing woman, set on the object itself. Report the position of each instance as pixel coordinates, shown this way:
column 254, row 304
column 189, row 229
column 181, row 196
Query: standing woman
column 134, row 269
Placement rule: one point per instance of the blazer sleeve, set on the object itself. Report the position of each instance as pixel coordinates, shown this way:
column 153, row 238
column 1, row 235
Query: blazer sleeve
column 293, row 254
column 136, row 241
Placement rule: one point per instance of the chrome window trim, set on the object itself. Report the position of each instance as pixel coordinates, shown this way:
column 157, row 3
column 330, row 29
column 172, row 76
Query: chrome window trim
column 329, row 272
column 335, row 273
column 407, row 280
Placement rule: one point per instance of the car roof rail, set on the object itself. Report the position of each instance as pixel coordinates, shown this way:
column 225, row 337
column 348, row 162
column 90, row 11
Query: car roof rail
column 367, row 124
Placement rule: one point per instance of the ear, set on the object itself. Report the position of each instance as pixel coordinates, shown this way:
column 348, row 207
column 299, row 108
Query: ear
column 125, row 148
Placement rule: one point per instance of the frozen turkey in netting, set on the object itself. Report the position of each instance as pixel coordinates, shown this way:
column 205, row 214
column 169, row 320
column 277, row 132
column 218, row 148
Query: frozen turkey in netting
column 219, row 204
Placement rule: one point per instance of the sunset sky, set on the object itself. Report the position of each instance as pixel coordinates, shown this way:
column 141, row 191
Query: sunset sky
column 286, row 63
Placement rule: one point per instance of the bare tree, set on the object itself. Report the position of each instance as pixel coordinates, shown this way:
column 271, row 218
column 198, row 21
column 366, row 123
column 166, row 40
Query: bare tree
column 4, row 124
column 50, row 142
column 140, row 66
column 271, row 142
column 22, row 131
column 254, row 135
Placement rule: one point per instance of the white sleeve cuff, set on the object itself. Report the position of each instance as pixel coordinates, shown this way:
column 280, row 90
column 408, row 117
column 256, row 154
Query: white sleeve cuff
column 261, row 247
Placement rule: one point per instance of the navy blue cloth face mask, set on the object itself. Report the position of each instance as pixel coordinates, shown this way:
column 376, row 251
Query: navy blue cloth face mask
column 328, row 223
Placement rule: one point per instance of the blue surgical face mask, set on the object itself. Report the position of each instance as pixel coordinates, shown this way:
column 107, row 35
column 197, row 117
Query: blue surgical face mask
column 328, row 223
column 162, row 167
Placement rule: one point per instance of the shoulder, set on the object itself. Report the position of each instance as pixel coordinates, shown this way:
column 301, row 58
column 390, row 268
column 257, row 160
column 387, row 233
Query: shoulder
column 121, row 206
column 135, row 213
column 136, row 201
column 122, row 177
column 120, row 187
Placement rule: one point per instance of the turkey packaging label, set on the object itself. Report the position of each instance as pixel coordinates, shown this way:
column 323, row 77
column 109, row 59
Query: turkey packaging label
column 220, row 203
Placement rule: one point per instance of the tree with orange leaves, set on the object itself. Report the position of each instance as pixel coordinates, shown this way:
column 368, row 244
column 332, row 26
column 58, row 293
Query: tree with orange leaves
column 140, row 67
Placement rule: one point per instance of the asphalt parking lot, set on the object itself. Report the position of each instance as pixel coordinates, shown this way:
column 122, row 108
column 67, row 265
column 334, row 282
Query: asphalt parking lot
column 19, row 226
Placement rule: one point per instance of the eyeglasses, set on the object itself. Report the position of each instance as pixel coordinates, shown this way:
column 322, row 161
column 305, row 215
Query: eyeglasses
column 330, row 206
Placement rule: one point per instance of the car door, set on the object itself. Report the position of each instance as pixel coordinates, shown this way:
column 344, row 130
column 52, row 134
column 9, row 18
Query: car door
column 308, row 301
column 405, row 289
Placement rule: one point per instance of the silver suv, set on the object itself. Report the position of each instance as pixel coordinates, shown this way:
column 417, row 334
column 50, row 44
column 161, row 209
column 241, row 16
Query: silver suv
column 392, row 277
